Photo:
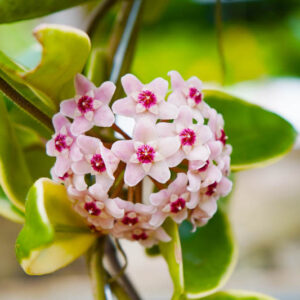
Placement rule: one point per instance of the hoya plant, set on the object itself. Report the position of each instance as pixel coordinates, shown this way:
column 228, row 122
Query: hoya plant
column 81, row 183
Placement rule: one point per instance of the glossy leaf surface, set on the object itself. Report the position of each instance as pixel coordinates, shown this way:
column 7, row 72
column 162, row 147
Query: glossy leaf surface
column 237, row 295
column 54, row 234
column 258, row 136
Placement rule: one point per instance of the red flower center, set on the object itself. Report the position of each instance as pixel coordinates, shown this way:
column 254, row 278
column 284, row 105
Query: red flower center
column 139, row 235
column 196, row 95
column 145, row 154
column 211, row 189
column 178, row 205
column 147, row 99
column 85, row 104
column 64, row 177
column 60, row 142
column 223, row 137
column 204, row 168
column 97, row 163
column 130, row 219
column 187, row 137
column 92, row 208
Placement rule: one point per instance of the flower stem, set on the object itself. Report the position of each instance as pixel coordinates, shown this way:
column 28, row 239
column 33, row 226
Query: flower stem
column 111, row 254
column 103, row 8
column 123, row 37
column 218, row 20
column 96, row 270
column 17, row 98
column 116, row 128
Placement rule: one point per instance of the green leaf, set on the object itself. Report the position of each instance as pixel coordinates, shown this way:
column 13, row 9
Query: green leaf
column 15, row 178
column 258, row 136
column 8, row 210
column 54, row 234
column 65, row 51
column 209, row 255
column 237, row 295
column 171, row 251
column 15, row 10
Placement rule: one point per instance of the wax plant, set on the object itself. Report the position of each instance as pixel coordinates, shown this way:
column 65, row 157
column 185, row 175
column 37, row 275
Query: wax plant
column 80, row 183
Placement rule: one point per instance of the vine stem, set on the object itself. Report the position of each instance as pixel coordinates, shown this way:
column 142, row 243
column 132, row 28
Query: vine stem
column 17, row 98
column 111, row 254
column 218, row 19
column 103, row 8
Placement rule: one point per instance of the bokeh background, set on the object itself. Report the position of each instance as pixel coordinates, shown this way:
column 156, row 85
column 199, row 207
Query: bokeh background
column 261, row 43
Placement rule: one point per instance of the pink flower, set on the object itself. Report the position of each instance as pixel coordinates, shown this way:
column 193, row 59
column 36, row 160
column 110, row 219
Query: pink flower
column 136, row 215
column 146, row 237
column 188, row 93
column 146, row 154
column 202, row 174
column 145, row 100
column 97, row 160
column 193, row 137
column 62, row 145
column 216, row 124
column 101, row 213
column 90, row 105
column 173, row 202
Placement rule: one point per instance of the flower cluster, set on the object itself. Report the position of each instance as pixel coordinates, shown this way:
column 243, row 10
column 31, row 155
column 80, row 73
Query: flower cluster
column 178, row 142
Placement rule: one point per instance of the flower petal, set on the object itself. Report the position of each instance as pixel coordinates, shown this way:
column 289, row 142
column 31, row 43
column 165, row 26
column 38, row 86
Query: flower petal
column 114, row 209
column 125, row 107
column 145, row 131
column 131, row 84
column 134, row 173
column 105, row 92
column 80, row 125
column 81, row 167
column 178, row 186
column 59, row 121
column 185, row 116
column 158, row 86
column 123, row 150
column 61, row 166
column 168, row 146
column 200, row 152
column 167, row 110
column 160, row 172
column 104, row 117
column 195, row 82
column 83, row 85
column 177, row 81
column 157, row 219
column 68, row 107
column 88, row 144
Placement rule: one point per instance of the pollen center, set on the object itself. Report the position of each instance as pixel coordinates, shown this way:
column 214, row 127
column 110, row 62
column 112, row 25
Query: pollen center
column 97, row 163
column 130, row 219
column 147, row 99
column 196, row 95
column 92, row 208
column 177, row 205
column 60, row 142
column 187, row 137
column 204, row 168
column 145, row 154
column 211, row 189
column 139, row 234
column 85, row 104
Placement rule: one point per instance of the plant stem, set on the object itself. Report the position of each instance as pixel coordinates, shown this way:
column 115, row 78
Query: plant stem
column 218, row 20
column 103, row 8
column 111, row 254
column 124, row 40
column 96, row 270
column 116, row 128
column 17, row 98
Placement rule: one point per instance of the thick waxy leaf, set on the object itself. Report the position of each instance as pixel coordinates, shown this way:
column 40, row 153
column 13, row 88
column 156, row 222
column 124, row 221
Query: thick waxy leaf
column 65, row 51
column 237, row 295
column 257, row 136
column 171, row 251
column 8, row 210
column 15, row 10
column 9, row 70
column 208, row 256
column 15, row 178
column 54, row 234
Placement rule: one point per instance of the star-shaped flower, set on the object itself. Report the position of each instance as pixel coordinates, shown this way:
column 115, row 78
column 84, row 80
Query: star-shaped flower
column 193, row 137
column 63, row 146
column 173, row 202
column 146, row 154
column 97, row 160
column 90, row 105
column 144, row 100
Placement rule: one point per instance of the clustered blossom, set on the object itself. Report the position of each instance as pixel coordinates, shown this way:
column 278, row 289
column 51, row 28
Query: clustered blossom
column 178, row 142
